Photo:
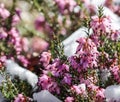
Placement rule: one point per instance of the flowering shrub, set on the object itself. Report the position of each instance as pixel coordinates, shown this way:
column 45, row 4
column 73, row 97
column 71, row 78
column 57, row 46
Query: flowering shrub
column 87, row 76
column 9, row 34
column 81, row 78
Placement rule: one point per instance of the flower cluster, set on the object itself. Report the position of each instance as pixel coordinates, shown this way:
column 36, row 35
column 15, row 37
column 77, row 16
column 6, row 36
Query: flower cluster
column 103, row 27
column 9, row 34
column 52, row 72
column 115, row 73
column 86, row 55
column 47, row 83
column 66, row 5
column 86, row 75
column 63, row 19
column 42, row 25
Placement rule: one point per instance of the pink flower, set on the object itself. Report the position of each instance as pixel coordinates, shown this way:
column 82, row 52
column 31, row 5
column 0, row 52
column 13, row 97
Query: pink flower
column 19, row 98
column 4, row 13
column 23, row 60
column 69, row 99
column 50, row 68
column 57, row 69
column 100, row 96
column 47, row 83
column 76, row 89
column 3, row 34
column 67, row 78
column 95, row 38
column 38, row 45
column 15, row 20
column 39, row 22
column 45, row 58
column 100, row 93
column 44, row 81
column 14, row 33
column 15, row 39
column 74, row 62
column 92, row 87
column 117, row 9
column 63, row 31
column 86, row 55
column 101, row 24
column 42, row 25
column 66, row 5
column 72, row 4
column 24, row 44
column 115, row 35
column 3, row 58
column 115, row 71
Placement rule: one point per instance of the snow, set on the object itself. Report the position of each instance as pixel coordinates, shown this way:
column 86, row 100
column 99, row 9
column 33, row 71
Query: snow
column 45, row 96
column 112, row 93
column 15, row 70
column 70, row 43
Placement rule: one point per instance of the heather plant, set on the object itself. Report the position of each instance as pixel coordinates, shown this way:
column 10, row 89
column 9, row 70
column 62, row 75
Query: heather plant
column 62, row 19
column 17, row 31
column 94, row 66
column 10, row 39
column 82, row 77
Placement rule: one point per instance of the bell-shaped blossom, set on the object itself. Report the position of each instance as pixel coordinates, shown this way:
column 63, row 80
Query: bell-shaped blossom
column 67, row 79
column 47, row 83
column 45, row 58
column 69, row 99
column 3, row 33
column 4, row 13
column 19, row 98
